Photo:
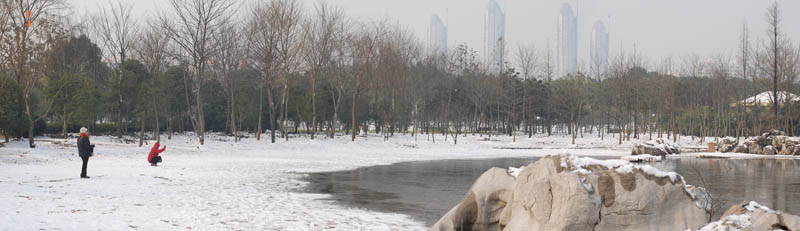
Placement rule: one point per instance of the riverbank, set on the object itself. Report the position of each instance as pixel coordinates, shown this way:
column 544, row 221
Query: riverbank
column 250, row 185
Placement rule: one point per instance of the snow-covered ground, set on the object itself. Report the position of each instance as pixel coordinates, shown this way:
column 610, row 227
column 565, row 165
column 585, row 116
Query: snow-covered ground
column 250, row 185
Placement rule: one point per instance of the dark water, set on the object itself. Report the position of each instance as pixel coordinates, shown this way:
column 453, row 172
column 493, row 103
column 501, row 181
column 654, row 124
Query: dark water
column 426, row 190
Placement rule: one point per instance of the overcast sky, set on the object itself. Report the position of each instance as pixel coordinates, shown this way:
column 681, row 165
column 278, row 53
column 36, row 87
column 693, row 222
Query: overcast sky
column 658, row 28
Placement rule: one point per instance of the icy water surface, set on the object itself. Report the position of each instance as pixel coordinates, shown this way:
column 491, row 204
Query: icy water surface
column 426, row 190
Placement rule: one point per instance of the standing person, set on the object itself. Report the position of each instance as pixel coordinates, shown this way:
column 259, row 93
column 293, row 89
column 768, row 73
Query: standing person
column 85, row 150
column 153, row 157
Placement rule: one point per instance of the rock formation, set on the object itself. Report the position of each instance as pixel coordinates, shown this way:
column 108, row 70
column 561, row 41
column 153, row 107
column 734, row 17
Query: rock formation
column 750, row 216
column 571, row 193
column 657, row 147
column 769, row 143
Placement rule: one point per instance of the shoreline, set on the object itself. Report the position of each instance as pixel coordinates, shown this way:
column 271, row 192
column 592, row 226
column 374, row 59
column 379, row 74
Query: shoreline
column 222, row 185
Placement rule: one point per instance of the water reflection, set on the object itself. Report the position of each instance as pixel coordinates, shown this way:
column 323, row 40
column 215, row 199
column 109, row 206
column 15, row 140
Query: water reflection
column 426, row 190
column 773, row 183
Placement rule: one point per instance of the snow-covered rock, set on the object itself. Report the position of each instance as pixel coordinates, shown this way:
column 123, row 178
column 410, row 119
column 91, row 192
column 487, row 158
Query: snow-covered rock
column 483, row 204
column 751, row 216
column 641, row 158
column 727, row 144
column 565, row 192
column 658, row 147
column 768, row 150
column 773, row 142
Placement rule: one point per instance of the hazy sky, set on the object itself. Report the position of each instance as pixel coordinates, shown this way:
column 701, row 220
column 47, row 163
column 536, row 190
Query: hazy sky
column 658, row 28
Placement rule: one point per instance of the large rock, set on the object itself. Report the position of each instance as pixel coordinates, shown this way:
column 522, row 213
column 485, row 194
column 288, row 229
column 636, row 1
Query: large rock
column 481, row 207
column 575, row 194
column 741, row 148
column 750, row 216
column 657, row 147
column 768, row 150
column 727, row 144
column 769, row 143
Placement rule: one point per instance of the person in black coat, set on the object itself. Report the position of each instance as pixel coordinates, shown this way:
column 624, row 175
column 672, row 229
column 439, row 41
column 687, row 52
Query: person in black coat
column 85, row 150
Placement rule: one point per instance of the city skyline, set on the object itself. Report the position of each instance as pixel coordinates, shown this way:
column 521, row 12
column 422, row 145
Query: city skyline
column 494, row 40
column 567, row 55
column 656, row 29
column 598, row 51
column 437, row 36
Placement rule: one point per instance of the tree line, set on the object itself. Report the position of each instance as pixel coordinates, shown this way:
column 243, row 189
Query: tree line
column 281, row 68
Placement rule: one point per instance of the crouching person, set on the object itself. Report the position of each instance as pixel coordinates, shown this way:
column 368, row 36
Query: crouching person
column 85, row 150
column 153, row 157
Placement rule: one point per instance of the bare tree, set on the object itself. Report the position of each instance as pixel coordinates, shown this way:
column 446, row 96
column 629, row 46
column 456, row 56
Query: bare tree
column 225, row 64
column 32, row 29
column 152, row 51
column 526, row 62
column 772, row 62
column 365, row 44
column 117, row 30
column 286, row 16
column 320, row 34
column 744, row 61
column 338, row 81
column 261, row 38
column 195, row 26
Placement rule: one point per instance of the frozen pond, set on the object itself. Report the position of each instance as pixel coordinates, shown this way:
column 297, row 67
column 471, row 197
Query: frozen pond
column 426, row 190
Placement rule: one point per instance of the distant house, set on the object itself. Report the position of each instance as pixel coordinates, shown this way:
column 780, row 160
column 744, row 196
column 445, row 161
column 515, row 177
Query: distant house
column 765, row 99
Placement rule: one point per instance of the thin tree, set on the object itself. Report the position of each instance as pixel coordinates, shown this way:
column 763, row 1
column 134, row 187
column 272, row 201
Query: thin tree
column 526, row 62
column 195, row 26
column 261, row 40
column 286, row 16
column 225, row 65
column 152, row 51
column 320, row 33
column 365, row 44
column 744, row 61
column 774, row 36
column 31, row 31
column 116, row 29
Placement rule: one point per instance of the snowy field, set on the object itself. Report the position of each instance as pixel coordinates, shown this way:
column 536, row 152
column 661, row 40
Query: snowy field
column 250, row 185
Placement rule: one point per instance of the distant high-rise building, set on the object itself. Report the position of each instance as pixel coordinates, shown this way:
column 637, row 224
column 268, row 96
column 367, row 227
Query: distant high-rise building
column 567, row 41
column 437, row 37
column 494, row 40
column 598, row 49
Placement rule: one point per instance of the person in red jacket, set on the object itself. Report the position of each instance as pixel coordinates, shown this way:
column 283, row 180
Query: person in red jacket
column 153, row 157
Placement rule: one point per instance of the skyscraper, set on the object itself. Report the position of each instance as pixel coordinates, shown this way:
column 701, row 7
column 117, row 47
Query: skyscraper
column 437, row 37
column 598, row 48
column 494, row 40
column 567, row 41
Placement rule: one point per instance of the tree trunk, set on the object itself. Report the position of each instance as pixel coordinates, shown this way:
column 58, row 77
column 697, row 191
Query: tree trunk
column 64, row 121
column 286, row 95
column 260, row 110
column 233, row 115
column 141, row 133
column 271, row 112
column 201, row 124
column 353, row 113
column 313, row 105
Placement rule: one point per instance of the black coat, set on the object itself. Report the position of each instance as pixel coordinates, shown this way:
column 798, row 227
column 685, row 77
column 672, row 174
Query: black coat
column 85, row 149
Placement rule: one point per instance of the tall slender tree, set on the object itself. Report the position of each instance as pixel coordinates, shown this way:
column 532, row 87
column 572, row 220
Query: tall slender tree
column 195, row 27
column 117, row 30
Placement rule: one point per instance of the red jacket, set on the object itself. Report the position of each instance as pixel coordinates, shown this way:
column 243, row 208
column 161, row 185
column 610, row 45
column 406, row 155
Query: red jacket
column 155, row 151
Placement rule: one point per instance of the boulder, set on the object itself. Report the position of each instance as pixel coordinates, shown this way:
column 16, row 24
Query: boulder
column 741, row 148
column 727, row 144
column 657, row 147
column 786, row 149
column 480, row 209
column 774, row 132
column 750, row 216
column 768, row 150
column 571, row 193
